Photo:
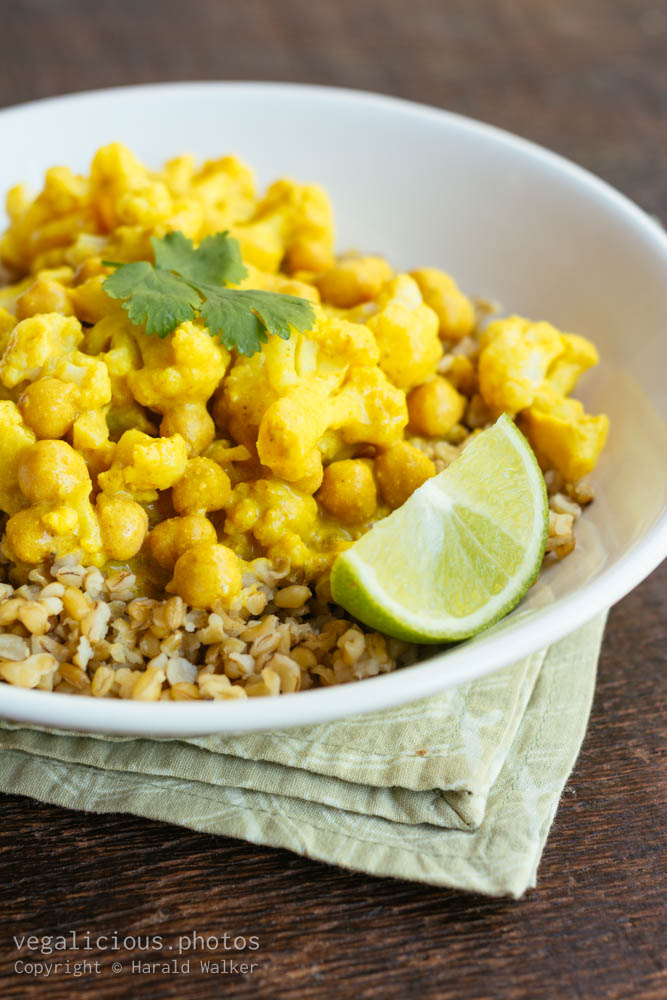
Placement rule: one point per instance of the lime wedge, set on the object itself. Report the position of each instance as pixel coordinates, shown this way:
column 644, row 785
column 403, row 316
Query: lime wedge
column 461, row 551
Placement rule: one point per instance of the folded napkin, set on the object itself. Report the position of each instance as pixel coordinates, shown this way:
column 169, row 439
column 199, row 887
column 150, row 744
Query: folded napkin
column 456, row 790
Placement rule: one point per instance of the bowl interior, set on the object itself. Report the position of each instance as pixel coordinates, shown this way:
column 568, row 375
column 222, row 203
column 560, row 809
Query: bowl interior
column 508, row 220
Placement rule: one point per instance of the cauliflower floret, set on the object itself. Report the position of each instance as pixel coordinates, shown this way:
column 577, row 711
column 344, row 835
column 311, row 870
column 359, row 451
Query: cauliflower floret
column 289, row 431
column 15, row 437
column 406, row 332
column 90, row 377
column 514, row 362
column 369, row 408
column 45, row 226
column 143, row 465
column 563, row 436
column 292, row 221
column 243, row 397
column 36, row 344
column 455, row 312
column 279, row 516
column 113, row 341
column 183, row 368
column 54, row 478
column 317, row 361
column 224, row 189
column 578, row 355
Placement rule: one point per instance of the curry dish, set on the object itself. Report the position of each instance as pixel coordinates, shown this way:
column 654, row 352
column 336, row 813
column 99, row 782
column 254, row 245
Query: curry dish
column 171, row 507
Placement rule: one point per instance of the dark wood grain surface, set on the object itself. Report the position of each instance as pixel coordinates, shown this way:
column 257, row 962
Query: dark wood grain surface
column 589, row 80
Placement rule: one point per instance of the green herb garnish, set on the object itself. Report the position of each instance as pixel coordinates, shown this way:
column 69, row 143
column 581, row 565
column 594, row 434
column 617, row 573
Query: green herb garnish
column 185, row 282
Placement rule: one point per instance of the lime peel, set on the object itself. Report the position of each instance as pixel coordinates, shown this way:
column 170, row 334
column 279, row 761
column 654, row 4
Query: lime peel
column 460, row 553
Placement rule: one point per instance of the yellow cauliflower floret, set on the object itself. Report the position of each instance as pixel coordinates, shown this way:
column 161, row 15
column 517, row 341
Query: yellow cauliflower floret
column 514, row 362
column 455, row 312
column 54, row 478
column 578, row 355
column 293, row 221
column 113, row 172
column 143, row 465
column 243, row 397
column 270, row 509
column 289, row 431
column 318, row 359
column 406, row 332
column 563, row 436
column 44, row 227
column 354, row 280
column 340, row 341
column 36, row 344
column 89, row 376
column 113, row 341
column 183, row 368
column 224, row 189
column 15, row 437
column 270, row 281
column 369, row 408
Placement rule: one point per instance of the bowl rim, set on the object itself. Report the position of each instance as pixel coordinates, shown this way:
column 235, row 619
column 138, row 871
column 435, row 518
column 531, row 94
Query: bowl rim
column 545, row 626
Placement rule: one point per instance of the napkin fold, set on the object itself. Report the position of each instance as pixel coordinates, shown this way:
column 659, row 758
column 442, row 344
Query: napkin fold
column 457, row 790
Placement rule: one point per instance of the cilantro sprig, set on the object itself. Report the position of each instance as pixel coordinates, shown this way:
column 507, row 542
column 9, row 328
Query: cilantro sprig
column 185, row 282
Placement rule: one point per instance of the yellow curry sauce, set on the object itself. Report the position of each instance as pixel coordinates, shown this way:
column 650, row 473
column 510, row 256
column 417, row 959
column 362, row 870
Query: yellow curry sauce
column 183, row 460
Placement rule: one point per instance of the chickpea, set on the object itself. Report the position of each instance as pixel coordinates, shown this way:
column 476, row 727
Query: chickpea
column 463, row 376
column 204, row 486
column 123, row 525
column 434, row 407
column 171, row 538
column 350, row 282
column 348, row 491
column 47, row 406
column 400, row 470
column 193, row 422
column 27, row 538
column 89, row 300
column 206, row 574
column 308, row 255
column 51, row 470
column 44, row 296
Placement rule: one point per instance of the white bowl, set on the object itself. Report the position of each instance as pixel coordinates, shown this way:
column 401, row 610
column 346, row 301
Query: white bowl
column 425, row 187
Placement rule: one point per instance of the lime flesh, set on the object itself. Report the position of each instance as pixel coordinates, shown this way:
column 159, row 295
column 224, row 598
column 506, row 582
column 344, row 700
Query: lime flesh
column 460, row 553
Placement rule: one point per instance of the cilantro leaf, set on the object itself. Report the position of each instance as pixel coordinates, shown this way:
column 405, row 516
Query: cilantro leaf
column 156, row 299
column 185, row 281
column 242, row 318
column 216, row 261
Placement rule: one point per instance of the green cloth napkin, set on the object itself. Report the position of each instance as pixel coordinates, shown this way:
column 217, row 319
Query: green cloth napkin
column 456, row 790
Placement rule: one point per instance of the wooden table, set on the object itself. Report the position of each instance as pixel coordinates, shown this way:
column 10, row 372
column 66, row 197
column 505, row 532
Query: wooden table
column 587, row 79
